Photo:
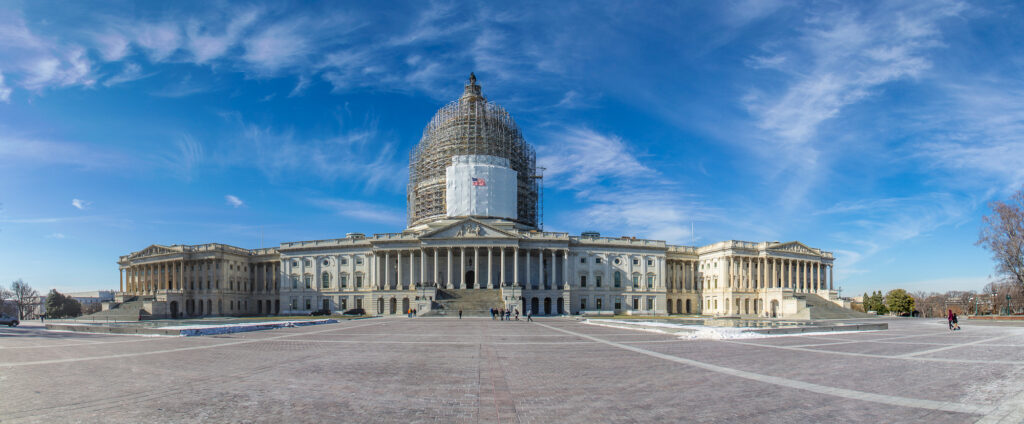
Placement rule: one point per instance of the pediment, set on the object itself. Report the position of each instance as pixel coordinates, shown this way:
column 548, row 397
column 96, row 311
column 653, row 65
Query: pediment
column 795, row 247
column 467, row 228
column 152, row 250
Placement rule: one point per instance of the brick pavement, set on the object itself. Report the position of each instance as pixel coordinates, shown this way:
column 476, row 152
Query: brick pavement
column 479, row 370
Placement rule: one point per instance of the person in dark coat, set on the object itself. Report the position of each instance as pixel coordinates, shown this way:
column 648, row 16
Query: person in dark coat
column 460, row 313
column 949, row 318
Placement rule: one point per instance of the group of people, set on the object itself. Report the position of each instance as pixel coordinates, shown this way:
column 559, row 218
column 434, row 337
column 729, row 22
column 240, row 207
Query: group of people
column 508, row 315
column 953, row 324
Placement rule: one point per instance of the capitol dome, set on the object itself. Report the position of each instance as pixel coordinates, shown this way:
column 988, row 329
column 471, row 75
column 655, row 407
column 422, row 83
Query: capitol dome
column 470, row 127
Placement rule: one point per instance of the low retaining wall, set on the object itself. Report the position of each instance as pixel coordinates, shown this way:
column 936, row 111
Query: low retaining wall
column 822, row 328
column 183, row 330
column 998, row 317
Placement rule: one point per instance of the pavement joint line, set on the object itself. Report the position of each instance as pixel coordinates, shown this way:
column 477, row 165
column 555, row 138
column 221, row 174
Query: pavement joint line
column 181, row 349
column 799, row 385
column 140, row 339
column 1009, row 411
column 870, row 355
column 940, row 349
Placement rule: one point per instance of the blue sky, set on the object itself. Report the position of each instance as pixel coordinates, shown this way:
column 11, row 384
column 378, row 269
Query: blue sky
column 876, row 130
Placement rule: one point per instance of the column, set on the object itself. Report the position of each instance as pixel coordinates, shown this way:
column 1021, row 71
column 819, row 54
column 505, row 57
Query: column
column 515, row 265
column 387, row 270
column 643, row 274
column 528, row 284
column 750, row 272
column 462, row 263
column 436, row 273
column 476, row 268
column 501, row 275
column 831, row 279
column 659, row 280
column 449, row 278
column 423, row 266
column 565, row 268
column 551, row 276
column 398, row 271
column 490, row 269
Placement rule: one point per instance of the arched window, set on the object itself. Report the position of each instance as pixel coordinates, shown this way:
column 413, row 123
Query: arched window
column 325, row 280
column 618, row 279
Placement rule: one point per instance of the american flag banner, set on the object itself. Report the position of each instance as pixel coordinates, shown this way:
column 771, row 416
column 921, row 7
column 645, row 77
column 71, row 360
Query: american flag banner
column 479, row 182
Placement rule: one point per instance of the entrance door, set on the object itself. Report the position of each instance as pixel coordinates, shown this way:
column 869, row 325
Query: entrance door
column 775, row 308
column 547, row 306
column 327, row 305
column 174, row 309
column 469, row 279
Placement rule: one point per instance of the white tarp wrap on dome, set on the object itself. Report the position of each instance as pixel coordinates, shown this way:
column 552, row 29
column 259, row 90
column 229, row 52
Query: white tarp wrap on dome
column 481, row 185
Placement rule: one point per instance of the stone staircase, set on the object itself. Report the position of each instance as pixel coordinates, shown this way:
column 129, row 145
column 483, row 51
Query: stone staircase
column 472, row 302
column 133, row 310
column 821, row 308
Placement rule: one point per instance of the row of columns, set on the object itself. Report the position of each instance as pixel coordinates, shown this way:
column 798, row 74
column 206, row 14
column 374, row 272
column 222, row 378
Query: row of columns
column 484, row 259
column 149, row 278
column 797, row 274
column 682, row 276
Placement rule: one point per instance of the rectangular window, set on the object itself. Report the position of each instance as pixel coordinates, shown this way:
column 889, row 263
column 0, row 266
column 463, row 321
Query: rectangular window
column 636, row 281
column 636, row 261
column 650, row 281
column 295, row 303
column 650, row 303
column 597, row 303
column 344, row 261
column 359, row 302
column 308, row 280
column 295, row 282
column 583, row 260
column 597, row 260
column 309, row 304
column 359, row 281
column 650, row 262
column 307, row 262
column 636, row 303
column 326, row 281
column 597, row 280
column 583, row 303
column 343, row 302
column 344, row 281
column 327, row 304
column 618, row 302
column 359, row 260
column 583, row 281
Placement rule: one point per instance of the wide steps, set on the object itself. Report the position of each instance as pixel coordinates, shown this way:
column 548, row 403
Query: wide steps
column 472, row 302
column 821, row 308
column 127, row 311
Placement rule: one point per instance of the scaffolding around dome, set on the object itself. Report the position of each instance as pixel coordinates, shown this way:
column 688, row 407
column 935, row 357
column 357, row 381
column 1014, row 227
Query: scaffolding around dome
column 469, row 126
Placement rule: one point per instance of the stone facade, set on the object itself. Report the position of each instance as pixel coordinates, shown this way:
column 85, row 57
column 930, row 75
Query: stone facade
column 543, row 272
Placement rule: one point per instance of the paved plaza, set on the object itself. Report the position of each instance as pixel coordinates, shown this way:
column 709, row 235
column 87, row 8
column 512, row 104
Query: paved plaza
column 479, row 370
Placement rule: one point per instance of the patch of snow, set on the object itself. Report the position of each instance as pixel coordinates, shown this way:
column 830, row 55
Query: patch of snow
column 700, row 332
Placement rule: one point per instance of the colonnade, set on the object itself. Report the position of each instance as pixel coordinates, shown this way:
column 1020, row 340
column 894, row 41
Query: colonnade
column 478, row 267
column 758, row 272
column 178, row 275
column 682, row 276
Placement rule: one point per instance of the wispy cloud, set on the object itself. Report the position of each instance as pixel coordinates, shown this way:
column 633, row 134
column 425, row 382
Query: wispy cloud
column 576, row 157
column 234, row 201
column 55, row 236
column 131, row 72
column 80, row 204
column 363, row 211
column 5, row 91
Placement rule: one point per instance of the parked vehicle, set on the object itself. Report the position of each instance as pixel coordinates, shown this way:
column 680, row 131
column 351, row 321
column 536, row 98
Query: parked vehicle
column 9, row 320
column 355, row 311
column 320, row 312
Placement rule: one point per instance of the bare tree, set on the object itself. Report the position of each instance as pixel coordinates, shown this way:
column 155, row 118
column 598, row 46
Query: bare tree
column 1003, row 235
column 4, row 295
column 25, row 297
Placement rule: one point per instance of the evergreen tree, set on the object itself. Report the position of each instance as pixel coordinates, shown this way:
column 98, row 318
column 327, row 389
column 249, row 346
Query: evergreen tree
column 55, row 304
column 899, row 301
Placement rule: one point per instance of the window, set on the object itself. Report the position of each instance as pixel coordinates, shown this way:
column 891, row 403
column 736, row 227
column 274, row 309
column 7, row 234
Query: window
column 326, row 262
column 343, row 282
column 343, row 302
column 650, row 281
column 597, row 260
column 618, row 261
column 295, row 303
column 636, row 303
column 295, row 281
column 597, row 280
column 308, row 280
column 295, row 263
column 583, row 260
column 636, row 281
column 344, row 261
column 325, row 280
column 583, row 303
column 583, row 281
column 636, row 261
column 650, row 303
column 327, row 304
column 307, row 262
column 597, row 303
column 359, row 260
column 309, row 304
column 359, row 300
column 650, row 262
column 618, row 302
column 618, row 278
column 359, row 281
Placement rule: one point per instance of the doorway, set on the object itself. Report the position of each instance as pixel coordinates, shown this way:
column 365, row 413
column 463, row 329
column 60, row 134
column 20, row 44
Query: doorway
column 469, row 279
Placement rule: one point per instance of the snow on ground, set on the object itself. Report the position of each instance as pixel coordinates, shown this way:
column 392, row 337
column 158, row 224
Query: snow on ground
column 698, row 332
column 211, row 329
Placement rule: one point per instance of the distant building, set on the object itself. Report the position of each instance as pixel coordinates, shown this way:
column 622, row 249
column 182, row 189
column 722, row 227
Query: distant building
column 474, row 225
column 91, row 297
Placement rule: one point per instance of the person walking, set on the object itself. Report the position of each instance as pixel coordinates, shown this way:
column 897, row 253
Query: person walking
column 529, row 316
column 460, row 313
column 492, row 314
column 949, row 318
column 956, row 324
column 508, row 315
column 517, row 314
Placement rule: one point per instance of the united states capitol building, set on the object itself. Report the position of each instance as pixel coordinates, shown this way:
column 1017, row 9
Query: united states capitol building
column 473, row 242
